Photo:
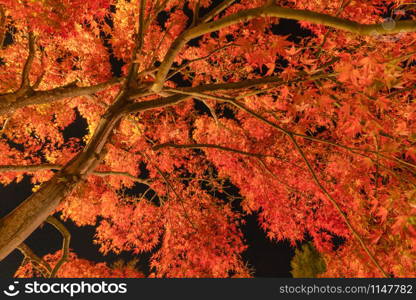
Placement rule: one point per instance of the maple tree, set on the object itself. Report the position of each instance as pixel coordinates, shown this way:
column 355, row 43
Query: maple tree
column 317, row 133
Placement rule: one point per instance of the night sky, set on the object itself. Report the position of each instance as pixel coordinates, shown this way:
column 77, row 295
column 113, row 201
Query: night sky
column 267, row 258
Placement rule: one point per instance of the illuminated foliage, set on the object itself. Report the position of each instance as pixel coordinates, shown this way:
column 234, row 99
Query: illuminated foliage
column 316, row 131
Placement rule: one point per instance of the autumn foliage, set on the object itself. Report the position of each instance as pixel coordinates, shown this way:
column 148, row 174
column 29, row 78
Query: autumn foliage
column 314, row 126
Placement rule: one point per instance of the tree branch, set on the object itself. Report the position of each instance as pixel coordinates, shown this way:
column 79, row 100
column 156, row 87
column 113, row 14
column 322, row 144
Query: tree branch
column 344, row 4
column 245, row 84
column 125, row 174
column 218, row 147
column 254, row 82
column 12, row 101
column 158, row 103
column 28, row 64
column 66, row 239
column 217, row 10
column 141, row 24
column 195, row 19
column 41, row 265
column 41, row 167
column 288, row 186
column 29, row 168
column 272, row 11
column 198, row 59
column 200, row 146
column 3, row 23
column 355, row 150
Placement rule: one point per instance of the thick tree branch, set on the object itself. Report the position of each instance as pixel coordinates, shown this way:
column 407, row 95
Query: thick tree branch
column 12, row 101
column 124, row 174
column 273, row 11
column 29, row 168
column 249, row 83
column 24, row 219
column 158, row 103
column 42, row 167
column 195, row 19
column 141, row 24
column 28, row 64
column 244, row 84
column 3, row 23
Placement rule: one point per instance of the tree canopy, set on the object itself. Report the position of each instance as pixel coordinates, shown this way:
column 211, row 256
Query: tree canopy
column 183, row 98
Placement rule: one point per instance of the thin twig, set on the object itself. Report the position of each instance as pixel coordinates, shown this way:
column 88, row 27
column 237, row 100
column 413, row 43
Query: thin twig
column 178, row 70
column 223, row 148
column 217, row 10
column 344, row 4
column 200, row 146
column 212, row 111
column 181, row 201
